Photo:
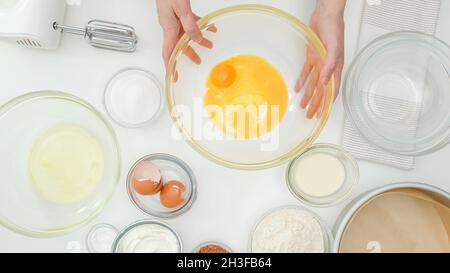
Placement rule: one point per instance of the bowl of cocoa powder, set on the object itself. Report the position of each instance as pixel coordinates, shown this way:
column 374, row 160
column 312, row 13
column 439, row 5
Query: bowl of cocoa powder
column 212, row 247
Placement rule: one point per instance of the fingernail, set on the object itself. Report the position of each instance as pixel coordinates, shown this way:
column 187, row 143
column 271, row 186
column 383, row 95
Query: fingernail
column 208, row 43
column 212, row 28
column 303, row 104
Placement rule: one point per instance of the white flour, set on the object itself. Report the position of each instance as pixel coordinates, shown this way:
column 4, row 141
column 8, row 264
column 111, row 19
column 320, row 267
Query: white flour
column 289, row 230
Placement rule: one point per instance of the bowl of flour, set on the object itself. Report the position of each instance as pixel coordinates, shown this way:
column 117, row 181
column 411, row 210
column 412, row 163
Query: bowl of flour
column 290, row 229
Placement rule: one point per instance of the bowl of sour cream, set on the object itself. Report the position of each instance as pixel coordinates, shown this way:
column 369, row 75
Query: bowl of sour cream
column 148, row 236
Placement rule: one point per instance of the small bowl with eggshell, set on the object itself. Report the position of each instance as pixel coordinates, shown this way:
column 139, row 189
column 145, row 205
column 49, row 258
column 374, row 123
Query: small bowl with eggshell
column 162, row 185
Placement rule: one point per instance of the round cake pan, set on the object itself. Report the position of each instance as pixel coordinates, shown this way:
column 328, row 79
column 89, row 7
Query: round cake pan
column 341, row 223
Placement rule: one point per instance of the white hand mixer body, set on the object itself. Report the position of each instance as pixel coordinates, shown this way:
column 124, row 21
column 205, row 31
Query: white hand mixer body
column 38, row 24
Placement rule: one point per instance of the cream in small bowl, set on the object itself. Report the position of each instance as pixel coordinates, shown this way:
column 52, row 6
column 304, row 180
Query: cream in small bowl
column 323, row 175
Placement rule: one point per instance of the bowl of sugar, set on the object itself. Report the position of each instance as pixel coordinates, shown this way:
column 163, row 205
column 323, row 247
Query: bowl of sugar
column 133, row 97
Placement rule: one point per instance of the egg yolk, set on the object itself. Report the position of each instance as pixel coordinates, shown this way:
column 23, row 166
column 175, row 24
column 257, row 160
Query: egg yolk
column 246, row 96
column 223, row 75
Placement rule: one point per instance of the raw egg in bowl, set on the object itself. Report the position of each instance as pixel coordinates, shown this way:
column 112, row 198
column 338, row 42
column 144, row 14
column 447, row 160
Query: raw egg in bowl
column 236, row 103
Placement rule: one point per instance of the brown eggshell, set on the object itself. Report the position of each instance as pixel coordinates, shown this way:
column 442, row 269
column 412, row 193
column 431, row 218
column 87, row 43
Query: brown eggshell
column 172, row 194
column 146, row 178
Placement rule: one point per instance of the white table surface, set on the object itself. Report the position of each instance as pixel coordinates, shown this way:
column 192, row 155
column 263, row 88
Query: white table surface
column 229, row 201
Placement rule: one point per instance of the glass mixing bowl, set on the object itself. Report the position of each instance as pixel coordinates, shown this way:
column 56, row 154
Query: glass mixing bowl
column 270, row 33
column 397, row 93
column 22, row 120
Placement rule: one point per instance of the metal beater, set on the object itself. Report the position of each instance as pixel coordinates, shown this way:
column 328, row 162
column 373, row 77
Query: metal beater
column 103, row 34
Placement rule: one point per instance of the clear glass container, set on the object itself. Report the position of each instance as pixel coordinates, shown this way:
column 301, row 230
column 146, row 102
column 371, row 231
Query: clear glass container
column 259, row 30
column 345, row 190
column 327, row 235
column 22, row 121
column 396, row 93
column 171, row 168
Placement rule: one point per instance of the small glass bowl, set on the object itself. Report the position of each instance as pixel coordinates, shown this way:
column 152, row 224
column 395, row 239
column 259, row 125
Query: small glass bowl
column 327, row 235
column 109, row 105
column 171, row 168
column 350, row 181
column 124, row 232
column 89, row 238
column 224, row 246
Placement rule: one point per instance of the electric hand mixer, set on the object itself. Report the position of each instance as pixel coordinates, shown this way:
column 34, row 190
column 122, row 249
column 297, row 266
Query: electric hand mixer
column 39, row 24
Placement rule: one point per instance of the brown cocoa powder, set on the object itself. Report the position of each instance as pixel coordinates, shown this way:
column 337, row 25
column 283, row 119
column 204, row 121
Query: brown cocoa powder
column 212, row 249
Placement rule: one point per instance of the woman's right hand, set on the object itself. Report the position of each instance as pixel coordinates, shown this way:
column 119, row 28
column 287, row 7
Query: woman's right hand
column 176, row 18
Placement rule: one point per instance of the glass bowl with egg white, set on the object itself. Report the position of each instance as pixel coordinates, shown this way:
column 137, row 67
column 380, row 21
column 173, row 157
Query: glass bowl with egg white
column 60, row 163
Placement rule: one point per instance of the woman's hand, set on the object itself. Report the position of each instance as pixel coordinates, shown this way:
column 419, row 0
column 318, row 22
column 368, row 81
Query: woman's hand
column 176, row 18
column 328, row 23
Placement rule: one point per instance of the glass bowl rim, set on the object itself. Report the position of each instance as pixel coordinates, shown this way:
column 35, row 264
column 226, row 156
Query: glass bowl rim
column 46, row 94
column 347, row 155
column 203, row 23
